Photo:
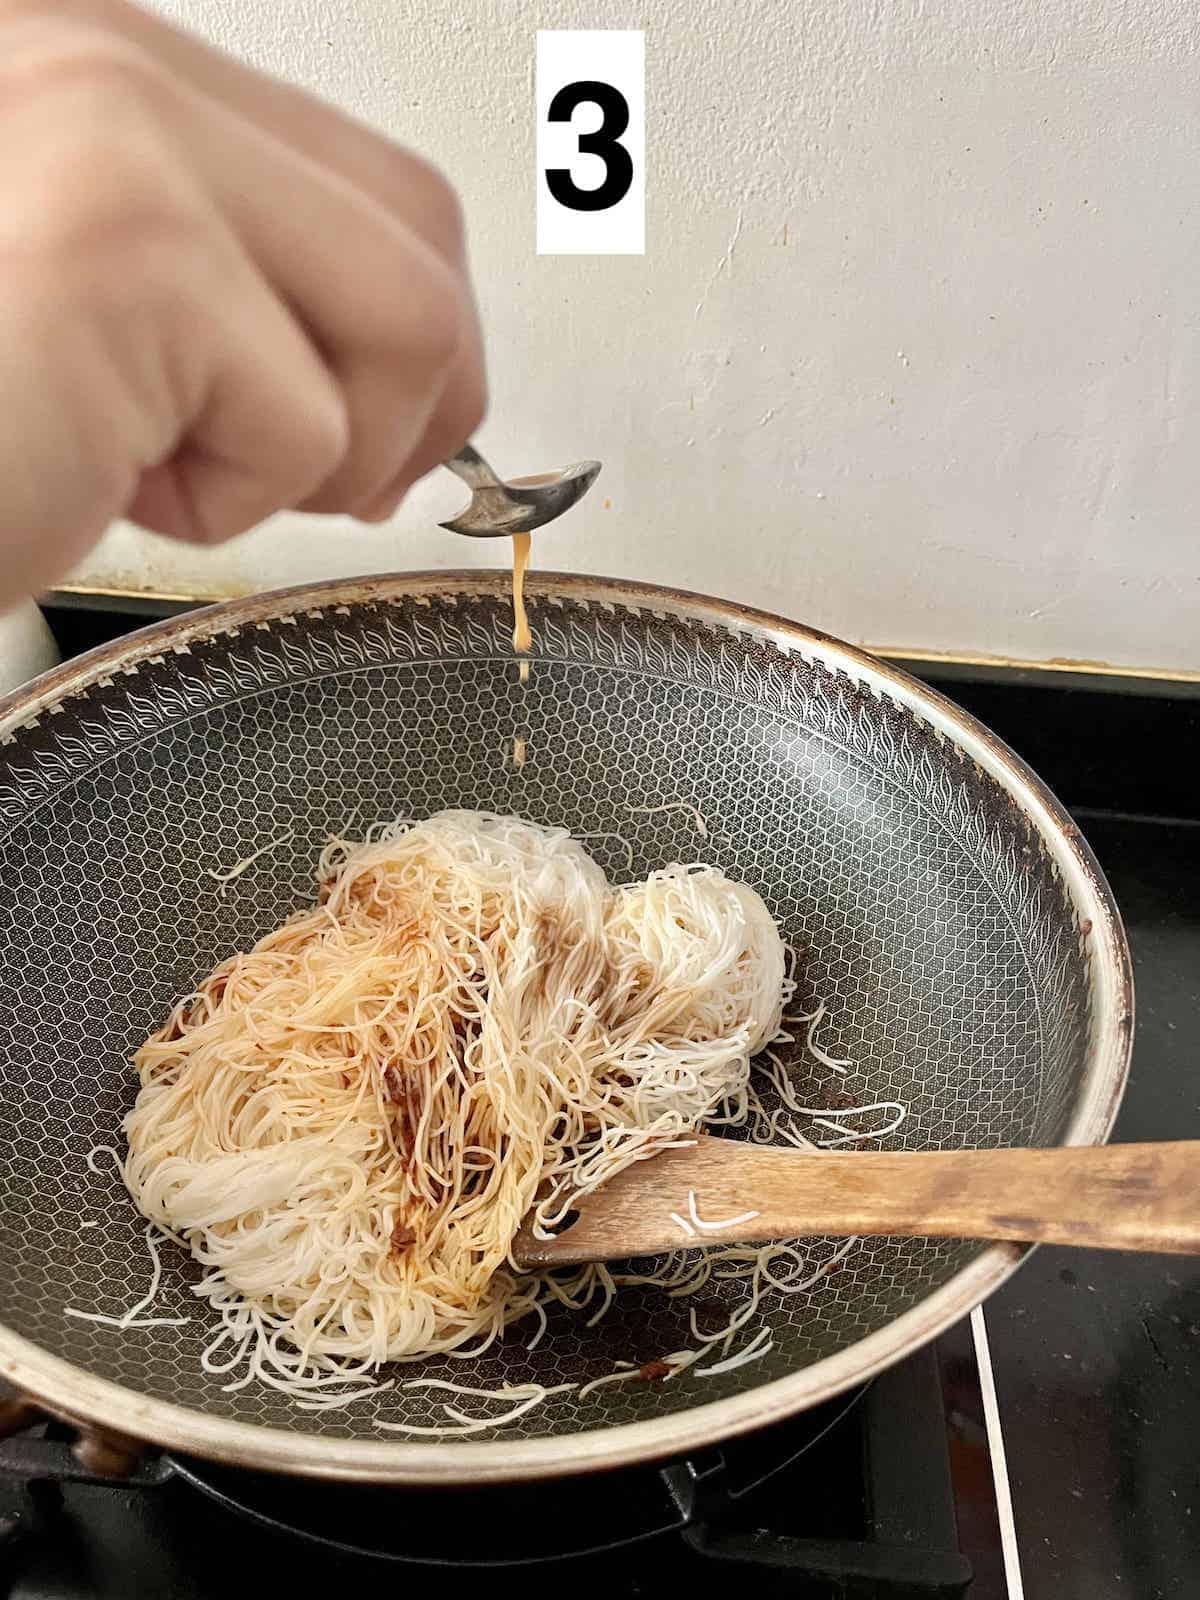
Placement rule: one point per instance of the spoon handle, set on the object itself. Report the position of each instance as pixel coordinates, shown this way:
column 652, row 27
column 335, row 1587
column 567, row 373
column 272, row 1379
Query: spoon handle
column 1112, row 1197
column 474, row 471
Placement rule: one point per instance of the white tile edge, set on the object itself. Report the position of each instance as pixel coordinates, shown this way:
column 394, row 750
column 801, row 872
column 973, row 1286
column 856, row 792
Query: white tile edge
column 995, row 1438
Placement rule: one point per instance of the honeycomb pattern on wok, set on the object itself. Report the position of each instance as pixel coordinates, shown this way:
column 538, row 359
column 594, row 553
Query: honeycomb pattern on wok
column 935, row 927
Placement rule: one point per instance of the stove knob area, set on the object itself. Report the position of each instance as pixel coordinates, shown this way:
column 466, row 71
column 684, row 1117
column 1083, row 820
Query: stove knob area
column 108, row 1455
column 100, row 1453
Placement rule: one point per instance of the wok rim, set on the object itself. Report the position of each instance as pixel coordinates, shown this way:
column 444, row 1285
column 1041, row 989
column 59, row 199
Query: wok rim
column 77, row 1395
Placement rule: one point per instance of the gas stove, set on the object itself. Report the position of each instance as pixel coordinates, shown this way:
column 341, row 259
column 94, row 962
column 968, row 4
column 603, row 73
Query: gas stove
column 885, row 1492
column 1046, row 1447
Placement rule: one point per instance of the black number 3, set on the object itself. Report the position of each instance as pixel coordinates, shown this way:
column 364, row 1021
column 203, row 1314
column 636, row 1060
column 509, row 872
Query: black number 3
column 618, row 165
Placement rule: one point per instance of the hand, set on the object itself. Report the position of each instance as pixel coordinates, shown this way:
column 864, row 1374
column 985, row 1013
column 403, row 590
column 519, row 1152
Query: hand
column 218, row 296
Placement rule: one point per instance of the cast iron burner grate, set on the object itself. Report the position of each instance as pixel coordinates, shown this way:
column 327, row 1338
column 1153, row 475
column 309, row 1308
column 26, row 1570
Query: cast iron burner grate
column 853, row 1499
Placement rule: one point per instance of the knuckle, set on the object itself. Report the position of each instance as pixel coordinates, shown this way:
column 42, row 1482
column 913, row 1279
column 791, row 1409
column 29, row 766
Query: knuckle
column 127, row 240
column 436, row 318
column 326, row 428
column 461, row 410
column 426, row 194
column 446, row 211
column 55, row 55
column 129, row 258
column 318, row 439
column 474, row 401
column 104, row 187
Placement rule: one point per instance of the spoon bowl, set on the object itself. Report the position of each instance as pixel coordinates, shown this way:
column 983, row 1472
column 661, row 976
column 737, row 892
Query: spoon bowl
column 500, row 508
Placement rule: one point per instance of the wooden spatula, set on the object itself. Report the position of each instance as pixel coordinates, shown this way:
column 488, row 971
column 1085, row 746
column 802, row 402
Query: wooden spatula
column 1110, row 1197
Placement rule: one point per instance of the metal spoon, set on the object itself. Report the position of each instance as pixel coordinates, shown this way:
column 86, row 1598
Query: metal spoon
column 1106, row 1197
column 519, row 506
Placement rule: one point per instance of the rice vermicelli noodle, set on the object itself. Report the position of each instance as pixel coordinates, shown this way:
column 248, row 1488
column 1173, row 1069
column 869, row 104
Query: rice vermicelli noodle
column 347, row 1124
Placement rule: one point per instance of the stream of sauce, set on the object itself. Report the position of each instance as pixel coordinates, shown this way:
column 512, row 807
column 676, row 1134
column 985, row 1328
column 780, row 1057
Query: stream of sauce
column 522, row 638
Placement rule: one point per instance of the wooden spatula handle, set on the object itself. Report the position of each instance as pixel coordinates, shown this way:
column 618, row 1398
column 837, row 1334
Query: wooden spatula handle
column 1113, row 1197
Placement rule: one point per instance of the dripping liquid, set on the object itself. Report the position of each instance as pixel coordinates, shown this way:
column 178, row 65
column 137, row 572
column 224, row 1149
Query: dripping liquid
column 522, row 638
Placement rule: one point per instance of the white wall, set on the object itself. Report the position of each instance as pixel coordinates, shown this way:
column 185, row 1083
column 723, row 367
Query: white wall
column 913, row 352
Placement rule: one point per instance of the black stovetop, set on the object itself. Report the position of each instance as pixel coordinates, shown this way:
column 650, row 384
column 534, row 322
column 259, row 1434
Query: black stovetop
column 862, row 1499
column 1096, row 1357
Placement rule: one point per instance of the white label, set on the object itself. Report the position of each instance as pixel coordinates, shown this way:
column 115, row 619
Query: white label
column 591, row 142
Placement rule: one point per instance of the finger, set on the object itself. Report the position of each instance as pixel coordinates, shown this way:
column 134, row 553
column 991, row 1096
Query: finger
column 164, row 357
column 395, row 322
column 61, row 488
column 456, row 416
column 391, row 448
column 388, row 313
column 397, row 179
column 271, row 423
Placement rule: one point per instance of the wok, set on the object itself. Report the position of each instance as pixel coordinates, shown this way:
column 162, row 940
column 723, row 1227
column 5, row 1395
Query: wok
column 968, row 949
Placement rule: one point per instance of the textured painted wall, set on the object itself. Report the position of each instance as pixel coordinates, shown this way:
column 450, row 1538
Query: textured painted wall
column 913, row 353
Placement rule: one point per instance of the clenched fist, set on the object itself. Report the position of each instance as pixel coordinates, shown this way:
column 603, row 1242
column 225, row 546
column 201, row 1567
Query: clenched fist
column 218, row 296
